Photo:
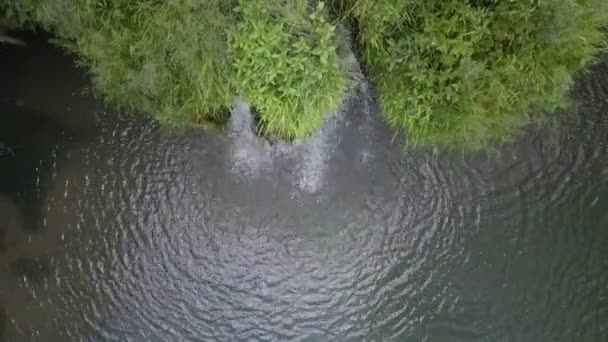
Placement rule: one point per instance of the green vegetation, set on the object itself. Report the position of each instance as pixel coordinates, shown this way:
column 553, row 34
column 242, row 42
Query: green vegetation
column 168, row 58
column 185, row 61
column 286, row 65
column 465, row 72
column 452, row 73
column 15, row 16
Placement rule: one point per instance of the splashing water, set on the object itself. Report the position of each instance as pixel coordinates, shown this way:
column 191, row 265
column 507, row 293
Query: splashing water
column 305, row 160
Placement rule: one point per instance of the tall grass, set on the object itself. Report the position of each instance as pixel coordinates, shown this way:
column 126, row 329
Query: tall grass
column 185, row 60
column 463, row 73
column 452, row 73
column 286, row 64
column 169, row 58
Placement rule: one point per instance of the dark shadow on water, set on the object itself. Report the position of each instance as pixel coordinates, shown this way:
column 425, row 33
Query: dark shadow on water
column 43, row 107
column 3, row 246
column 32, row 269
column 21, row 176
column 3, row 321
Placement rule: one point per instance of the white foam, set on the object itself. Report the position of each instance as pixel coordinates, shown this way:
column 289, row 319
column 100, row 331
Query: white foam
column 250, row 154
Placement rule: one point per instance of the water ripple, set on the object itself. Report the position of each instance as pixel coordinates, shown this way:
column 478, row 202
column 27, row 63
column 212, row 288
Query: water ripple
column 158, row 242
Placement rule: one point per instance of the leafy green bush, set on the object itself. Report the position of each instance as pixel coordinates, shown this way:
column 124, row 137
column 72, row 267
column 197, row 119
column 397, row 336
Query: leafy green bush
column 169, row 58
column 286, row 65
column 175, row 60
column 450, row 72
column 465, row 72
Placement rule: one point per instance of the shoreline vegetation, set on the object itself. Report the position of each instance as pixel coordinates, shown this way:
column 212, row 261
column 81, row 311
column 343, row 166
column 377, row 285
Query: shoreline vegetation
column 458, row 74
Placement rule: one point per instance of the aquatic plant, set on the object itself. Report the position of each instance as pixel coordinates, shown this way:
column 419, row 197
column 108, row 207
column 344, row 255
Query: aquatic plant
column 286, row 65
column 463, row 73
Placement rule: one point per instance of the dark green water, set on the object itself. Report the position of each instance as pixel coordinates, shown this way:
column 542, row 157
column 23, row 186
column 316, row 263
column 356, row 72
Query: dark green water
column 113, row 229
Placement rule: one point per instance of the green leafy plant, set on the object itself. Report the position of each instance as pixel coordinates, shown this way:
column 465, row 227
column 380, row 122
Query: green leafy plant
column 286, row 65
column 168, row 58
column 463, row 73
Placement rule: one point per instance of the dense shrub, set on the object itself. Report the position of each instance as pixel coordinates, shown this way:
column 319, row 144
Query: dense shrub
column 169, row 58
column 286, row 64
column 175, row 59
column 450, row 72
column 465, row 72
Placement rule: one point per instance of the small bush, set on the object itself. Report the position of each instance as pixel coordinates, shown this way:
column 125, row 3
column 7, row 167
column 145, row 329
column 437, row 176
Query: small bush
column 168, row 58
column 286, row 65
column 465, row 72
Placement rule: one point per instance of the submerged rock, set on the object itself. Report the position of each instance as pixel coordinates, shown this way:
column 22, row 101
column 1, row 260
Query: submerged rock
column 6, row 39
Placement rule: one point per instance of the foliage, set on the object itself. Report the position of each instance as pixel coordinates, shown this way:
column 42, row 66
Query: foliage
column 169, row 58
column 23, row 10
column 465, row 72
column 286, row 65
column 451, row 72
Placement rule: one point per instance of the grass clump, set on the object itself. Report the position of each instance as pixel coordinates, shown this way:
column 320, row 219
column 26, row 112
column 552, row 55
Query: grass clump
column 462, row 73
column 286, row 65
column 168, row 58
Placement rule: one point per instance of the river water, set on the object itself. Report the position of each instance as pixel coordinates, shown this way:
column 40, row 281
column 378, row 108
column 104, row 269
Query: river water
column 115, row 229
